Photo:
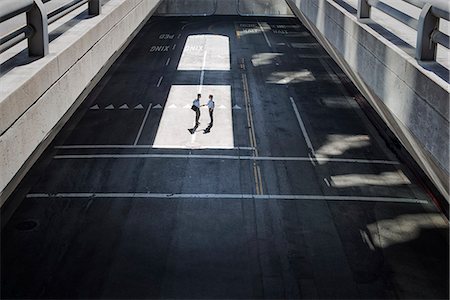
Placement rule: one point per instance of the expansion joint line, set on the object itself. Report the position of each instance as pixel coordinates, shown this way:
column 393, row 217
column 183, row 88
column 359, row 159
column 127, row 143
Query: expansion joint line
column 252, row 136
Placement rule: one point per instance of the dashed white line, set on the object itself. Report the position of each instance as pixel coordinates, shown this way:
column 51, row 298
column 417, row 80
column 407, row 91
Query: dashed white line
column 327, row 182
column 142, row 125
column 228, row 196
column 159, row 81
column 174, row 46
column 302, row 126
column 168, row 61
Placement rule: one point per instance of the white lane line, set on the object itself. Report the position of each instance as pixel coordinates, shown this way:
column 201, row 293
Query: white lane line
column 168, row 61
column 327, row 182
column 202, row 77
column 174, row 46
column 302, row 126
column 159, row 81
column 179, row 35
column 228, row 196
column 265, row 35
column 136, row 147
column 366, row 240
column 142, row 125
column 230, row 157
column 202, row 74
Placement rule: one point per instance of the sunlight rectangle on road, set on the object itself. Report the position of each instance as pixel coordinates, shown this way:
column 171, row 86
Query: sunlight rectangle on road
column 178, row 117
column 205, row 52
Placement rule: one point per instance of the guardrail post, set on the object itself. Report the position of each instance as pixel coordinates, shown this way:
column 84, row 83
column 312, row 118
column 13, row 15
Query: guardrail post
column 363, row 9
column 95, row 7
column 37, row 19
column 425, row 47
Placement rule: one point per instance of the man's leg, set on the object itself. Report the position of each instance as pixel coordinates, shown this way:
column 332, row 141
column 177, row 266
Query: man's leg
column 197, row 116
column 211, row 111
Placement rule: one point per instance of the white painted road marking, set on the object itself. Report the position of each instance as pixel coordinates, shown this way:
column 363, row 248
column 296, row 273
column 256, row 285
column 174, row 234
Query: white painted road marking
column 207, row 156
column 166, row 36
column 142, row 125
column 125, row 106
column 202, row 74
column 129, row 147
column 279, row 31
column 168, row 61
column 265, row 35
column 110, row 107
column 302, row 126
column 139, row 106
column 157, row 106
column 159, row 81
column 159, row 48
column 95, row 107
column 228, row 196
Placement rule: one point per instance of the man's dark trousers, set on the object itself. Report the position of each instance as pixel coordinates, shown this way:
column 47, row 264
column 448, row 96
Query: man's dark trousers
column 211, row 111
column 197, row 115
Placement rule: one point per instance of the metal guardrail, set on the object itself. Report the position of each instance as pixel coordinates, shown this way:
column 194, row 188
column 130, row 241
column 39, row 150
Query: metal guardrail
column 427, row 26
column 37, row 21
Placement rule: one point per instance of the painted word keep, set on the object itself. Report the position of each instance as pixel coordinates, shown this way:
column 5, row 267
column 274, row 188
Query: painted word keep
column 278, row 31
column 194, row 48
column 250, row 30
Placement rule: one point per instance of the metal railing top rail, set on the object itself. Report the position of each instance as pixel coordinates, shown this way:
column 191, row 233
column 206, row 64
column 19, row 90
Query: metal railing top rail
column 37, row 21
column 427, row 26
column 440, row 8
column 11, row 8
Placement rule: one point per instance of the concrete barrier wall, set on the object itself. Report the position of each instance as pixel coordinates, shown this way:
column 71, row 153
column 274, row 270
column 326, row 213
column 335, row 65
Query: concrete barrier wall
column 36, row 95
column 412, row 101
column 224, row 7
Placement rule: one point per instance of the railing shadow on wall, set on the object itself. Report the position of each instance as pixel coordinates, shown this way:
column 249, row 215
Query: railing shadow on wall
column 427, row 25
column 37, row 21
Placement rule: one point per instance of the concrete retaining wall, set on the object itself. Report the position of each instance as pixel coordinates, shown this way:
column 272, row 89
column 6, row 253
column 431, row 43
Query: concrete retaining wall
column 224, row 7
column 411, row 100
column 36, row 95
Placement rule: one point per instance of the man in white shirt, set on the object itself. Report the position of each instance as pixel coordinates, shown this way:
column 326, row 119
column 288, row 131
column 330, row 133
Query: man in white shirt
column 196, row 107
column 196, row 103
column 211, row 106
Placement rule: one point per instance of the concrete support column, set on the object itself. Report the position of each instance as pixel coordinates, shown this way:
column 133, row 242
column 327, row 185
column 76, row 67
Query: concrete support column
column 428, row 23
column 37, row 19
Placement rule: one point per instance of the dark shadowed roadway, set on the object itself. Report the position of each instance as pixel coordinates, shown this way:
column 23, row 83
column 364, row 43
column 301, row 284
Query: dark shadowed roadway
column 293, row 194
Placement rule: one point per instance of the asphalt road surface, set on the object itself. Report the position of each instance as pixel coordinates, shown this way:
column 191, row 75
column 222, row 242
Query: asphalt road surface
column 292, row 193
